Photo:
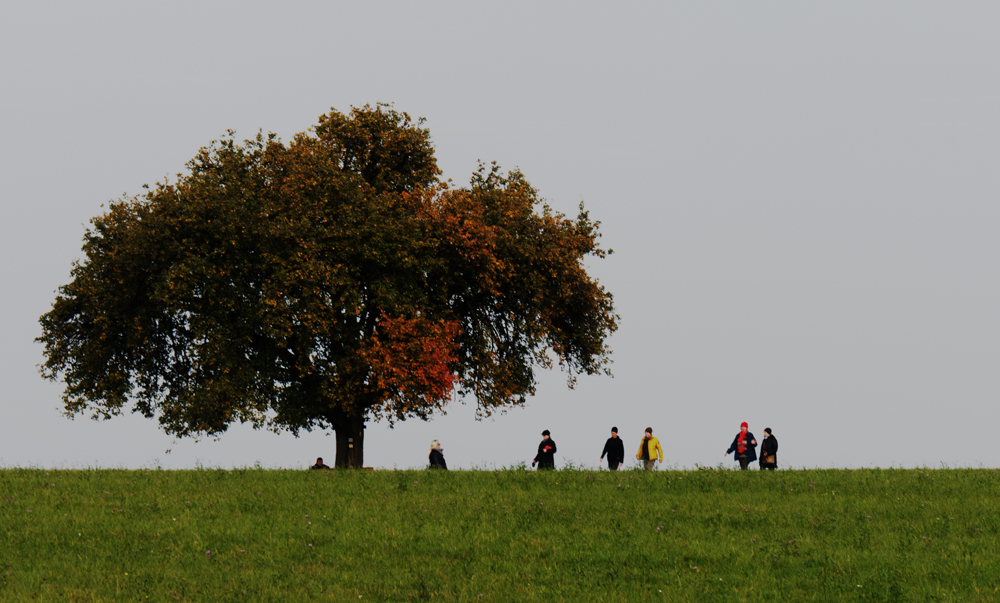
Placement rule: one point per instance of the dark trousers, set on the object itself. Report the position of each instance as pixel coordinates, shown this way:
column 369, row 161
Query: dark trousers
column 744, row 462
column 613, row 464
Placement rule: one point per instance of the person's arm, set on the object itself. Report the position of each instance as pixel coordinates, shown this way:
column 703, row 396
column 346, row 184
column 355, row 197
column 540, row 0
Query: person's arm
column 605, row 451
column 732, row 446
column 659, row 451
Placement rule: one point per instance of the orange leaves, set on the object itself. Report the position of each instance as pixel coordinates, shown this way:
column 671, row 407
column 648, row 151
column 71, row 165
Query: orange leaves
column 411, row 360
column 335, row 276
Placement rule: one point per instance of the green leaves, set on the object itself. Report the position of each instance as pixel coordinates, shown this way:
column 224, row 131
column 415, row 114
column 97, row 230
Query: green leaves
column 382, row 146
column 328, row 280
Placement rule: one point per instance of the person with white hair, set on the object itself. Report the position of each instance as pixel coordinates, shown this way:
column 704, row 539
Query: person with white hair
column 436, row 456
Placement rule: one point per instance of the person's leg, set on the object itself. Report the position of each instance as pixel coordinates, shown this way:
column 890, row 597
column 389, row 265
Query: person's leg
column 612, row 465
column 650, row 465
column 744, row 462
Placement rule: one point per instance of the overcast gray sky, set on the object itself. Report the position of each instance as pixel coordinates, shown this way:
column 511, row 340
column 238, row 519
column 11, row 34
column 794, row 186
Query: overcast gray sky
column 802, row 200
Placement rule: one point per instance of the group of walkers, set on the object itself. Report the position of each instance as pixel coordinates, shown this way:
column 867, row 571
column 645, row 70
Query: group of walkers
column 649, row 452
column 744, row 448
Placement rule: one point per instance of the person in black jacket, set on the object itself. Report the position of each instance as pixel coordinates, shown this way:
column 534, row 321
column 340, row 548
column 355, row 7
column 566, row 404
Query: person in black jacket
column 745, row 447
column 436, row 456
column 546, row 457
column 615, row 450
column 319, row 464
column 769, row 448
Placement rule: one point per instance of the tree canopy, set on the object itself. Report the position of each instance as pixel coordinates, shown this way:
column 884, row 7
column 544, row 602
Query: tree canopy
column 323, row 283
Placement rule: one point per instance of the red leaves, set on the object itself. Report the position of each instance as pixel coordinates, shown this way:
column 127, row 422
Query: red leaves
column 411, row 363
column 334, row 278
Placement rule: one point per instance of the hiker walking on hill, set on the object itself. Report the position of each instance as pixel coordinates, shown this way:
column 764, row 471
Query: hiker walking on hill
column 615, row 450
column 546, row 457
column 769, row 451
column 745, row 447
column 436, row 456
column 649, row 450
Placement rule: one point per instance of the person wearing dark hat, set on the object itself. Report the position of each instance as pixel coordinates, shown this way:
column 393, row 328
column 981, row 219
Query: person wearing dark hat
column 769, row 451
column 745, row 447
column 649, row 450
column 319, row 464
column 546, row 457
column 615, row 450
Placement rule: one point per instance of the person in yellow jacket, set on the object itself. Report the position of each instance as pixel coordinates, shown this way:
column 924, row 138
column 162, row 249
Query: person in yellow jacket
column 649, row 450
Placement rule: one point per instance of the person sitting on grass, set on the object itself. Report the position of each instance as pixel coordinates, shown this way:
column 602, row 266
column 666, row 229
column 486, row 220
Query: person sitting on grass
column 437, row 456
column 319, row 464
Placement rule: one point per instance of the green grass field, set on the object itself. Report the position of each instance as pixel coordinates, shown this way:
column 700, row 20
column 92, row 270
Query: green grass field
column 511, row 535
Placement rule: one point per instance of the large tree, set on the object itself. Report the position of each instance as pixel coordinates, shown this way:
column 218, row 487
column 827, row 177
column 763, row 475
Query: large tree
column 323, row 283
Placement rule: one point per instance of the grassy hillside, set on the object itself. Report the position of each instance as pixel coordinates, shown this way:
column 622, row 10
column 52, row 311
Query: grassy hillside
column 263, row 535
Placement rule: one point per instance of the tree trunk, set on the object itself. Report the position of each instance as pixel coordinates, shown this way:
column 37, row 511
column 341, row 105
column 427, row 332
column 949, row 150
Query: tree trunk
column 350, row 443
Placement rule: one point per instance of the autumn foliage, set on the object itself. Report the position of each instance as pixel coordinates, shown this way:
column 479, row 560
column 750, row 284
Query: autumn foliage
column 322, row 283
column 411, row 362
